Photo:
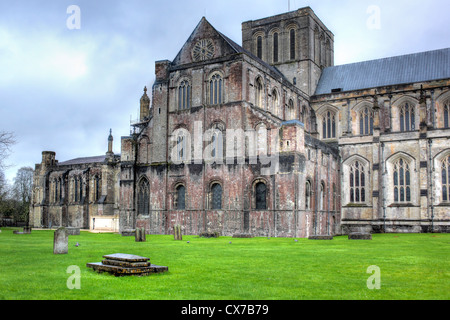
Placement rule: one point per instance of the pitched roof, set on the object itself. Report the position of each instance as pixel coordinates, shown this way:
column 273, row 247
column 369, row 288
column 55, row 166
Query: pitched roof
column 411, row 68
column 97, row 159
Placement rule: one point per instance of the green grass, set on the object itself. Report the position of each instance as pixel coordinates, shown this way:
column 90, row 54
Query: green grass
column 413, row 266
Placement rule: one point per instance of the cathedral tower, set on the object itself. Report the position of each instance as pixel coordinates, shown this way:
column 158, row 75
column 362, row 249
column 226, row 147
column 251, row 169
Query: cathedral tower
column 297, row 43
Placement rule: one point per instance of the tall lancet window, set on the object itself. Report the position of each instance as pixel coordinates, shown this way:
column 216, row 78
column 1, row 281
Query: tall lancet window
column 446, row 115
column 446, row 179
column 144, row 197
column 259, row 93
column 216, row 197
column 275, row 47
column 292, row 44
column 259, row 47
column 260, row 196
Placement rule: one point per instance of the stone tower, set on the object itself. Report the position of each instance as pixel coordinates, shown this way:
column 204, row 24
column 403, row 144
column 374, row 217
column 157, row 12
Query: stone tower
column 297, row 43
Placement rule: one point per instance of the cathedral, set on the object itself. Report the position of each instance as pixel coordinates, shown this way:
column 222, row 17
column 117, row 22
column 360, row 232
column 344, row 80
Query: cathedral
column 268, row 138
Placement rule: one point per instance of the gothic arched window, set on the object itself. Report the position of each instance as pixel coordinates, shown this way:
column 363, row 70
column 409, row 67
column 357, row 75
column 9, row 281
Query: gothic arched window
column 215, row 89
column 292, row 44
column 446, row 179
column 96, row 188
column 217, row 144
column 259, row 47
column 181, row 147
column 407, row 118
column 259, row 93
column 275, row 47
column 357, row 183
column 308, row 195
column 180, row 198
column 322, row 196
column 366, row 122
column 260, row 196
column 143, row 205
column 275, row 103
column 446, row 115
column 402, row 181
column 75, row 189
column 216, row 196
column 329, row 125
column 291, row 110
column 184, row 95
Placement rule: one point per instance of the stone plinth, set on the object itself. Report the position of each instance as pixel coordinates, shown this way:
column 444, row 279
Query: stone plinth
column 121, row 264
column 128, row 232
column 359, row 236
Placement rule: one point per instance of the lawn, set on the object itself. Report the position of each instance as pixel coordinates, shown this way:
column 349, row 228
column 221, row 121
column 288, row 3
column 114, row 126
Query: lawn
column 412, row 266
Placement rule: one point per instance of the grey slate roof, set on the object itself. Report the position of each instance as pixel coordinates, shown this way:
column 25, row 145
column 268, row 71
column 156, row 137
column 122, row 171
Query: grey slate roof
column 411, row 68
column 97, row 159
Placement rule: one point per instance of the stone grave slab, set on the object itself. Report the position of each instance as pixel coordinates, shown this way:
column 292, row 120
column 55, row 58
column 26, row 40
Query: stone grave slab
column 121, row 264
column 359, row 236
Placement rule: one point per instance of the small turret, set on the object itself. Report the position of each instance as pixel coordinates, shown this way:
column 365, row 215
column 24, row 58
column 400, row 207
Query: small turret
column 110, row 153
column 145, row 106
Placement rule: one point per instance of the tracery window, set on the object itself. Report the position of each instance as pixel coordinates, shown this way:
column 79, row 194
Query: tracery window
column 216, row 196
column 184, row 95
column 402, row 181
column 445, row 166
column 366, row 122
column 357, row 183
column 407, row 118
column 329, row 125
column 260, row 196
column 143, row 197
column 215, row 89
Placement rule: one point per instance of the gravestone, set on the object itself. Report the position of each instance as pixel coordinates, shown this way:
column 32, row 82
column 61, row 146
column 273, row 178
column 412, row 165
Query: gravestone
column 61, row 241
column 177, row 232
column 140, row 235
column 242, row 235
column 73, row 231
column 359, row 236
column 320, row 237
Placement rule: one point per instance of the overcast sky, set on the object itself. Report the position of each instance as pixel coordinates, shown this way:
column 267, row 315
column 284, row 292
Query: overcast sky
column 62, row 89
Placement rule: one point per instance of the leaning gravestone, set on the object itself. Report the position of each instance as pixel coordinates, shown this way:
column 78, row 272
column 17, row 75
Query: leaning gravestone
column 61, row 241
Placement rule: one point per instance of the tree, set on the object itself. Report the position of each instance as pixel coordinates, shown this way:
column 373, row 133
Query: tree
column 7, row 139
column 23, row 184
